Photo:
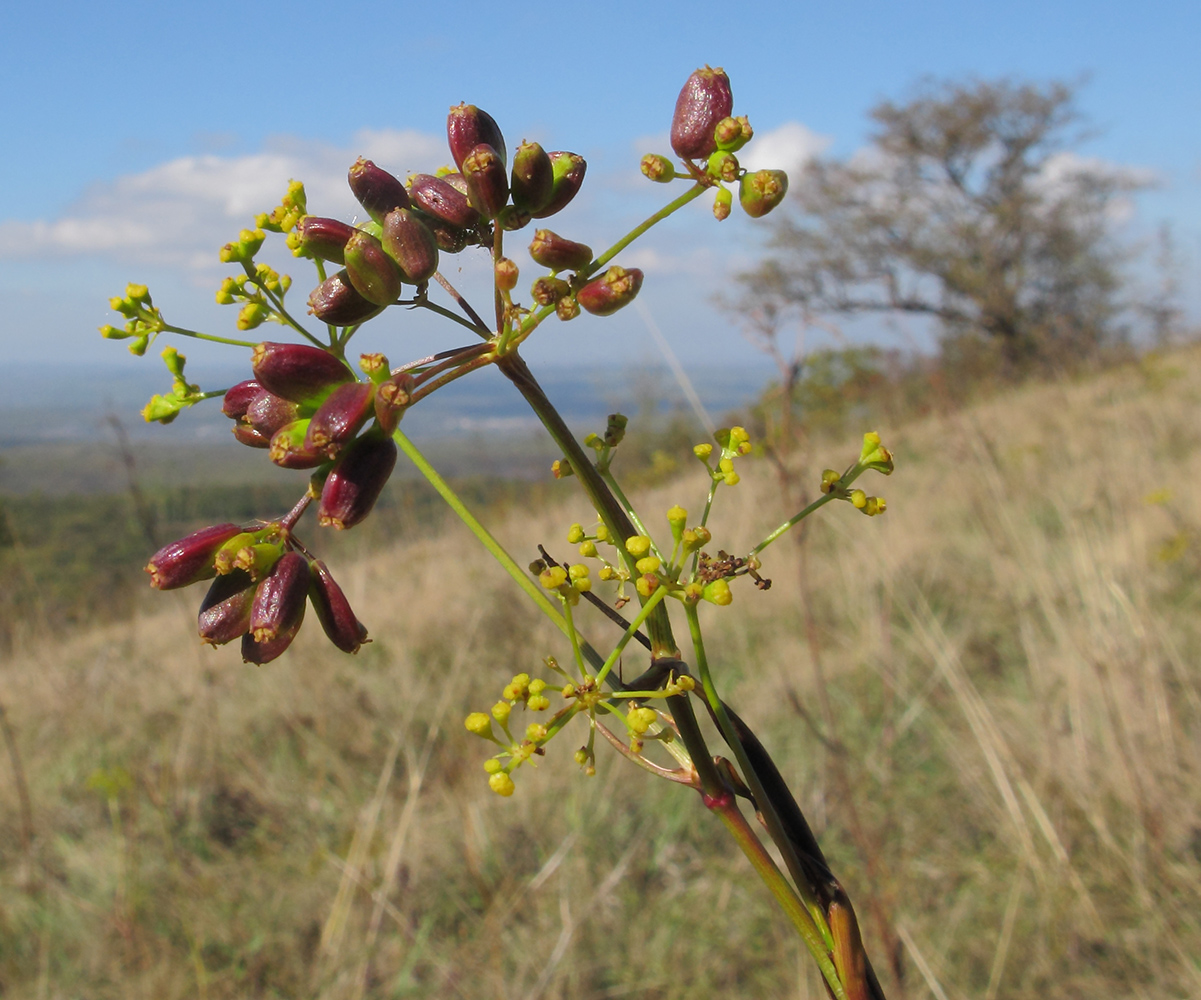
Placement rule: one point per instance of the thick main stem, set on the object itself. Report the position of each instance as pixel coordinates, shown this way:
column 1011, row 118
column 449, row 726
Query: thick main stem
column 611, row 511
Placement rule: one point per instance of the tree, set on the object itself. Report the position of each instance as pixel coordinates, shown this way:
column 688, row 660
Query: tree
column 968, row 207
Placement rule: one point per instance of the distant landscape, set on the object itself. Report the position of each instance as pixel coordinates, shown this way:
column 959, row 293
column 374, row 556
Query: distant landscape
column 57, row 434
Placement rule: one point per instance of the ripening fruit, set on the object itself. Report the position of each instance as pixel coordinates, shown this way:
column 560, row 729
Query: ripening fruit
column 704, row 101
column 608, row 293
column 378, row 191
column 355, row 483
column 190, row 559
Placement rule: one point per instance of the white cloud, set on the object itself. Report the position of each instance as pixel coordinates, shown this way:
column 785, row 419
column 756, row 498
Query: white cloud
column 788, row 147
column 1064, row 171
column 182, row 211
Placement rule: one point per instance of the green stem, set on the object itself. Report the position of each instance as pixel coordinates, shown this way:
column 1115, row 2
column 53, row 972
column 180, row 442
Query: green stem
column 445, row 378
column 611, row 512
column 746, row 838
column 451, row 315
column 762, row 801
column 643, row 613
column 528, row 326
column 690, row 195
column 168, row 328
column 629, row 507
column 853, row 473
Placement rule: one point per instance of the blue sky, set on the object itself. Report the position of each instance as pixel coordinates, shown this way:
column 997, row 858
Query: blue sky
column 140, row 137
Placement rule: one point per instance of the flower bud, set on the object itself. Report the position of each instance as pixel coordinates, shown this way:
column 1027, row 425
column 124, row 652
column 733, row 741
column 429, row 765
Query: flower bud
column 760, row 192
column 336, row 302
column 333, row 610
column 487, row 181
column 506, row 274
column 722, row 201
column 322, row 239
column 569, row 169
column 438, row 197
column 873, row 455
column 705, row 100
column 190, row 559
column 237, row 398
column 225, row 610
column 479, row 723
column 608, row 293
column 376, row 189
column 567, row 308
column 723, row 166
column 298, row 372
column 731, row 134
column 391, row 398
column 356, row 482
column 658, row 168
column 289, row 449
column 409, row 242
column 548, row 291
column 718, row 592
column 558, row 253
column 252, row 315
column 467, row 127
column 372, row 272
column 259, row 558
column 269, row 412
column 615, row 429
column 339, row 418
column 533, row 177
column 226, row 557
column 374, row 366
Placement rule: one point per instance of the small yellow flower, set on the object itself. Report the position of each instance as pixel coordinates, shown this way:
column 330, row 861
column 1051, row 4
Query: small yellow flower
column 646, row 585
column 479, row 723
column 718, row 592
column 638, row 545
column 502, row 784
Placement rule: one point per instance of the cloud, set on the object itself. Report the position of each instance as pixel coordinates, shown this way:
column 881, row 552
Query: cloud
column 1067, row 171
column 788, row 147
column 180, row 212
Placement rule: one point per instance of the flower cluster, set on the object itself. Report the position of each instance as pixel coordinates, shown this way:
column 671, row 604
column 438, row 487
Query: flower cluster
column 514, row 752
column 704, row 130
column 873, row 456
column 262, row 582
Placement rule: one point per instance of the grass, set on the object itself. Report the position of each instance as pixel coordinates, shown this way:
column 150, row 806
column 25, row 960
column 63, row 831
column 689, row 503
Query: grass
column 1010, row 658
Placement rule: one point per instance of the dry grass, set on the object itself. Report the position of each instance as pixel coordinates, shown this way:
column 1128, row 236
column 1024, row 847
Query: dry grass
column 1012, row 659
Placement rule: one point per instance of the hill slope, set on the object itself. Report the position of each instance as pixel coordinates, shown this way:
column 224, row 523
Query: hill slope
column 992, row 716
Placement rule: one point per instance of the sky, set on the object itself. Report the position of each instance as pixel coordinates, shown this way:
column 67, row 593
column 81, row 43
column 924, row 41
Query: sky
column 138, row 138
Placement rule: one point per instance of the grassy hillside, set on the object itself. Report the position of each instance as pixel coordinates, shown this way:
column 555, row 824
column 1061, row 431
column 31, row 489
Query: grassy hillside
column 991, row 714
